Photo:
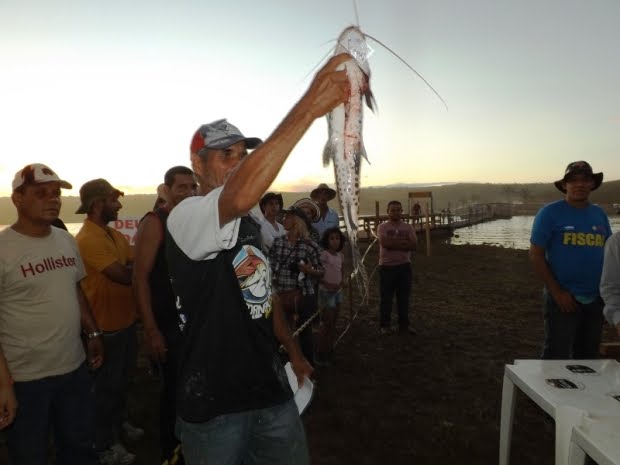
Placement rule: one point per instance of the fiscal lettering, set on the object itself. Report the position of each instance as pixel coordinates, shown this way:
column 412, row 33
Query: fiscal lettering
column 583, row 239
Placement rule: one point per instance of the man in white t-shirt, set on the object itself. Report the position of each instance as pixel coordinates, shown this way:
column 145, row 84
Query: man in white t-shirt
column 44, row 379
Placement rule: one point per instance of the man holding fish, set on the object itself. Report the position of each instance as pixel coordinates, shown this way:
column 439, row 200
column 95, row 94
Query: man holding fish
column 234, row 401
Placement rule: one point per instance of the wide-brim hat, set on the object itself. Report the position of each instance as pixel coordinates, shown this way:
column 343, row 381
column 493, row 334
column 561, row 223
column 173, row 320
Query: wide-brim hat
column 579, row 167
column 93, row 190
column 310, row 205
column 270, row 196
column 323, row 187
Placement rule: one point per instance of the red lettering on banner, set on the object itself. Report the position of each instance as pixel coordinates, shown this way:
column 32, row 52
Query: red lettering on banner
column 128, row 227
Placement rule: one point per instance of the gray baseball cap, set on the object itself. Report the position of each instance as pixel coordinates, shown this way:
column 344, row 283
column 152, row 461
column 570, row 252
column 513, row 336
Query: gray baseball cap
column 220, row 134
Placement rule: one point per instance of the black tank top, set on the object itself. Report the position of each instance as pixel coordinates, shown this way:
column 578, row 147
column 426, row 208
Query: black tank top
column 162, row 295
column 228, row 357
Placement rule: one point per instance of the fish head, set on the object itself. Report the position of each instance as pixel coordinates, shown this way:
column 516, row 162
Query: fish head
column 353, row 41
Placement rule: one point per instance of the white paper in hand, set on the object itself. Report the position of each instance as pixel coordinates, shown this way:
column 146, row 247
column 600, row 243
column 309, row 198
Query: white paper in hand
column 303, row 395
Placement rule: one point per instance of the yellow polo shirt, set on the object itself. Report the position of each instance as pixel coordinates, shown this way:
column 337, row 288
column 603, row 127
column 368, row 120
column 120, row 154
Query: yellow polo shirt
column 112, row 303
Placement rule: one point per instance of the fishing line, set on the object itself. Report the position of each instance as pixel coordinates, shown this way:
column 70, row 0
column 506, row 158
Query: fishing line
column 301, row 328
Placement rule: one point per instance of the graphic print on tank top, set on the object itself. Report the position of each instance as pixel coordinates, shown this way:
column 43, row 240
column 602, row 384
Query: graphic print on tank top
column 254, row 276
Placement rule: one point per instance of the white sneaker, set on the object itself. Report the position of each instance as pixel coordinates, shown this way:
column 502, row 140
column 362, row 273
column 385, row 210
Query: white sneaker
column 123, row 456
column 132, row 432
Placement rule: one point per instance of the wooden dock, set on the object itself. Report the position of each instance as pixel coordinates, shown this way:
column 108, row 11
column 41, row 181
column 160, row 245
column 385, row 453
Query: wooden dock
column 440, row 224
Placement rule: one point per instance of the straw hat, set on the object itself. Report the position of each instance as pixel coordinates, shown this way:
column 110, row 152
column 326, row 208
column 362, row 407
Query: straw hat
column 310, row 205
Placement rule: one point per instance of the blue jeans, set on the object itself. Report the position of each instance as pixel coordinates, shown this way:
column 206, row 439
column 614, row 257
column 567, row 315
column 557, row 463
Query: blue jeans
column 394, row 280
column 572, row 335
column 330, row 299
column 269, row 436
column 63, row 404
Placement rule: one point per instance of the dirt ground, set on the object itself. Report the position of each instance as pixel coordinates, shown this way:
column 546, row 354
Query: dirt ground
column 429, row 399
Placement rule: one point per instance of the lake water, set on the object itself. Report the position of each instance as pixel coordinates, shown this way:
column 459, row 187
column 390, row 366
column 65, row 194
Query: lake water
column 513, row 233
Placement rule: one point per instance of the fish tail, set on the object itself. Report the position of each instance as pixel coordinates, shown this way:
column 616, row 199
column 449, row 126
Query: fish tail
column 359, row 273
column 352, row 221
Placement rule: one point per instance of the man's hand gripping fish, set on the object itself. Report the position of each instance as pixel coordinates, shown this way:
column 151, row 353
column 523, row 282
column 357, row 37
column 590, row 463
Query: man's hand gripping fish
column 345, row 146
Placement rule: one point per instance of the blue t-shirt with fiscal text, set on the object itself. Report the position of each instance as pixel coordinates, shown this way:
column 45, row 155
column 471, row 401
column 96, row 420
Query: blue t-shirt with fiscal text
column 574, row 241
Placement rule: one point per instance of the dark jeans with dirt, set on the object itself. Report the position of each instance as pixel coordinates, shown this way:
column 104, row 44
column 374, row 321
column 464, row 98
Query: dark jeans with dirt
column 572, row 335
column 394, row 281
column 63, row 404
column 112, row 384
column 167, row 399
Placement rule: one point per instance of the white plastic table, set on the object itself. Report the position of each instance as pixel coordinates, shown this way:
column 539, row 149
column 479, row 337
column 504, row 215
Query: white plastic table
column 545, row 382
column 597, row 437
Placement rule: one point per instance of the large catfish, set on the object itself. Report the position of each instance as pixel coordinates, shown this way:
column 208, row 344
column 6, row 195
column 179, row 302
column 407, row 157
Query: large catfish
column 345, row 146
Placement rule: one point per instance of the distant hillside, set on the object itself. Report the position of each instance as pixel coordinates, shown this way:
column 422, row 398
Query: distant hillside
column 529, row 197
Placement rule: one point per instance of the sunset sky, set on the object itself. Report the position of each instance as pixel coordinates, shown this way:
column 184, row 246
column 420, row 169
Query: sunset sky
column 115, row 89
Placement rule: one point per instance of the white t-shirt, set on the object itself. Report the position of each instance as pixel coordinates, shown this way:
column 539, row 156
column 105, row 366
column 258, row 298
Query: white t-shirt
column 268, row 231
column 39, row 309
column 194, row 225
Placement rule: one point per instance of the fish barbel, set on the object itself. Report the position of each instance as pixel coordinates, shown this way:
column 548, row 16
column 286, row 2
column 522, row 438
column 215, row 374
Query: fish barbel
column 345, row 146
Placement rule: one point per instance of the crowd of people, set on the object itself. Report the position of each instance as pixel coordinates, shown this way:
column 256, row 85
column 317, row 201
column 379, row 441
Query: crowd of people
column 198, row 280
column 218, row 288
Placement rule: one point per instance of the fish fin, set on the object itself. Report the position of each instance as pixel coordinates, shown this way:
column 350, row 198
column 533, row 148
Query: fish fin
column 370, row 100
column 328, row 153
column 363, row 153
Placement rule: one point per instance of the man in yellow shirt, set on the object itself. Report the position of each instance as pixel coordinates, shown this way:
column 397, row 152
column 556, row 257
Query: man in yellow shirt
column 108, row 259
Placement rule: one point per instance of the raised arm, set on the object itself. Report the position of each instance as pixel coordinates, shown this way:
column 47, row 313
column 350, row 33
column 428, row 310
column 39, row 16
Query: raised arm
column 256, row 173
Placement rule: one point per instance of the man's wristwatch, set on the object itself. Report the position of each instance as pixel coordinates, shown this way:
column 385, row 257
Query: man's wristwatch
column 94, row 334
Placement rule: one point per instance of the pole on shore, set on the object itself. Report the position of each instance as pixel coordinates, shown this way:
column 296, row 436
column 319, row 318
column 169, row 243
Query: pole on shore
column 428, row 231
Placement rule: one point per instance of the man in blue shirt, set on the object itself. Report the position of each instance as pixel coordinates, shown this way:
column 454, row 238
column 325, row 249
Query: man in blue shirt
column 566, row 251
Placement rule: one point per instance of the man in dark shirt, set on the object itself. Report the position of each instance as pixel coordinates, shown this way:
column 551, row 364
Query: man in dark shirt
column 155, row 299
